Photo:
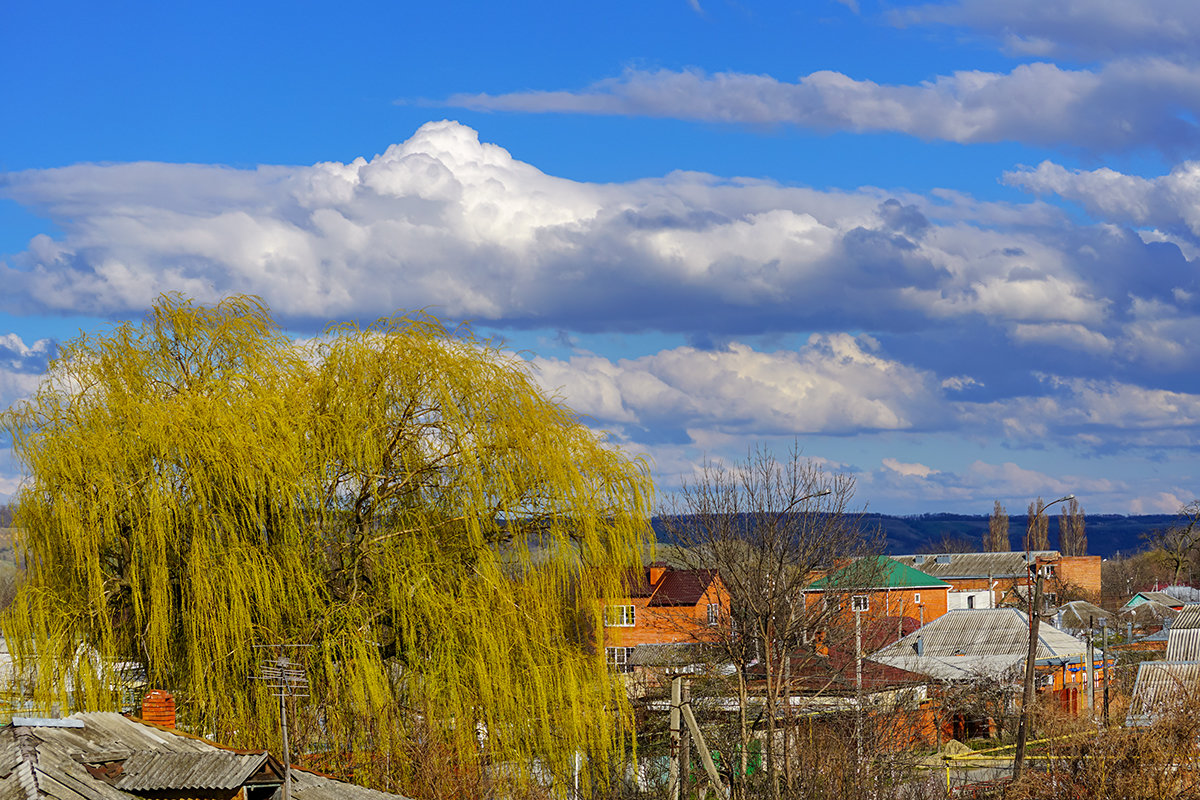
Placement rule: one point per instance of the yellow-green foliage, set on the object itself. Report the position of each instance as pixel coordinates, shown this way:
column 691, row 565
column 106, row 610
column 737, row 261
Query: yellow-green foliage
column 401, row 498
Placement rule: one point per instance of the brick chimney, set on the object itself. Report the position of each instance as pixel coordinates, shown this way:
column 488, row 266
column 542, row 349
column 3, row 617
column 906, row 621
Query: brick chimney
column 158, row 707
column 655, row 572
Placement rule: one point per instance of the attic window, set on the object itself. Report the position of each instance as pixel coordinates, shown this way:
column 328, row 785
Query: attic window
column 943, row 559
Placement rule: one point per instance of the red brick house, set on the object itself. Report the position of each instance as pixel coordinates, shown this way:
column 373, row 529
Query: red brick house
column 663, row 606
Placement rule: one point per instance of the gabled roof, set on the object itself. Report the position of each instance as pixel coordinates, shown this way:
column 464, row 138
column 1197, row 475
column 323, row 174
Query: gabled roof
column 986, row 632
column 682, row 587
column 1080, row 614
column 105, row 756
column 1153, row 597
column 878, row 572
column 977, row 565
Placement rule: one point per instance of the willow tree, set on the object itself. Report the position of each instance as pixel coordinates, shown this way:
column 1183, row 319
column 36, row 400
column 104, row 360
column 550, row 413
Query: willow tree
column 399, row 502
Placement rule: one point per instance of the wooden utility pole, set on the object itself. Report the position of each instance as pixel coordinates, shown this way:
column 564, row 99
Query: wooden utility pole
column 1107, row 674
column 1091, row 672
column 676, row 705
column 1030, row 661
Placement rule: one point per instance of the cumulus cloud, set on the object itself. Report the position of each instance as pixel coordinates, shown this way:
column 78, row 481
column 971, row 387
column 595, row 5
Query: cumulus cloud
column 835, row 384
column 1088, row 28
column 1170, row 202
column 1126, row 104
column 445, row 222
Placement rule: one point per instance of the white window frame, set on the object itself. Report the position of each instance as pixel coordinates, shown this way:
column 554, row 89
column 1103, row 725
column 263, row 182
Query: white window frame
column 714, row 614
column 860, row 602
column 622, row 616
column 618, row 658
column 917, row 598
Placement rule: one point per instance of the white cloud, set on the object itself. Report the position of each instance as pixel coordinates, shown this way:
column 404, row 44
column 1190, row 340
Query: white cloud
column 835, row 384
column 459, row 227
column 1171, row 201
column 909, row 470
column 1122, row 105
column 1081, row 27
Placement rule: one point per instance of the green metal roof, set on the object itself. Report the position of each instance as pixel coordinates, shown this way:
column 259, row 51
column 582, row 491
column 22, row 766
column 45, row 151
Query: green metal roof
column 878, row 572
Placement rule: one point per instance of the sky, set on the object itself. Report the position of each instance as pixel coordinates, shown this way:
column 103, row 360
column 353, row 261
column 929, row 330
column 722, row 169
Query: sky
column 949, row 248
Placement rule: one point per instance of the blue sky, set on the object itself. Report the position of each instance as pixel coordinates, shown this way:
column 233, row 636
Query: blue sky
column 949, row 247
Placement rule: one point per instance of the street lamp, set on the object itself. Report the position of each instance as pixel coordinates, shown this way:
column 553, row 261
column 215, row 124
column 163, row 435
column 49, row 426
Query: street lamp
column 1031, row 657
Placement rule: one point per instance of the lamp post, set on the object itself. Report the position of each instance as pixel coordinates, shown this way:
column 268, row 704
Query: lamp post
column 1031, row 658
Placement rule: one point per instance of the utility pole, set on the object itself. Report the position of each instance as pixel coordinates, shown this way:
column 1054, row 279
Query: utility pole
column 858, row 656
column 1030, row 660
column 1091, row 671
column 676, row 705
column 1107, row 674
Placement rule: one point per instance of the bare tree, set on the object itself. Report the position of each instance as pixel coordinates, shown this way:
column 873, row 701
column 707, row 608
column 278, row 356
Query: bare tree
column 1072, row 533
column 1037, row 528
column 948, row 543
column 771, row 528
column 997, row 541
column 1178, row 545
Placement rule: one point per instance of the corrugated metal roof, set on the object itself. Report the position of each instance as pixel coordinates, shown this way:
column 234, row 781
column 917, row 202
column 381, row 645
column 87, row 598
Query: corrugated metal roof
column 1183, row 645
column 879, row 572
column 985, row 632
column 1163, row 688
column 214, row 769
column 976, row 565
column 1187, row 619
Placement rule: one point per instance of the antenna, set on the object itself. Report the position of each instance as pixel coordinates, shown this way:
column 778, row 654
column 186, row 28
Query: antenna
column 286, row 679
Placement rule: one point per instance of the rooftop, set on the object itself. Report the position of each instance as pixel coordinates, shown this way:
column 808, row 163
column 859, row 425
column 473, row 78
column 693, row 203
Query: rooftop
column 878, row 572
column 977, row 565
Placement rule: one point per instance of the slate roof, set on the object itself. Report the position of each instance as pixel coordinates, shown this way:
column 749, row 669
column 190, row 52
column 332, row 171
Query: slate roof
column 1079, row 614
column 1154, row 597
column 1183, row 645
column 50, row 759
column 879, row 572
column 678, row 654
column 1161, row 688
column 984, row 641
column 1188, row 619
column 977, row 565
column 1148, row 613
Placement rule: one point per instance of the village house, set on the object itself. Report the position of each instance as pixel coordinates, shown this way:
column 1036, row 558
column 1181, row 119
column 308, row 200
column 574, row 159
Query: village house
column 991, row 580
column 664, row 606
column 881, row 587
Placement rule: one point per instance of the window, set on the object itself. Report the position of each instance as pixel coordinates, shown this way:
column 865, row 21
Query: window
column 970, row 601
column 618, row 657
column 917, row 598
column 860, row 602
column 619, row 617
column 714, row 613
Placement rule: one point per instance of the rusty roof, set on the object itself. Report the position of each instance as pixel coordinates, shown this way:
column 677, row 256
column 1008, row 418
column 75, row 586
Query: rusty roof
column 150, row 770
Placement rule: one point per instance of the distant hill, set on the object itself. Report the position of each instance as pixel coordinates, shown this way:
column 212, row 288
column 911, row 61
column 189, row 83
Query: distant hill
column 1107, row 533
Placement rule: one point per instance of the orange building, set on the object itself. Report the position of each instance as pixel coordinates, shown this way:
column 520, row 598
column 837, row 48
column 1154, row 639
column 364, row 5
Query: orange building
column 664, row 606
column 990, row 580
column 883, row 587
